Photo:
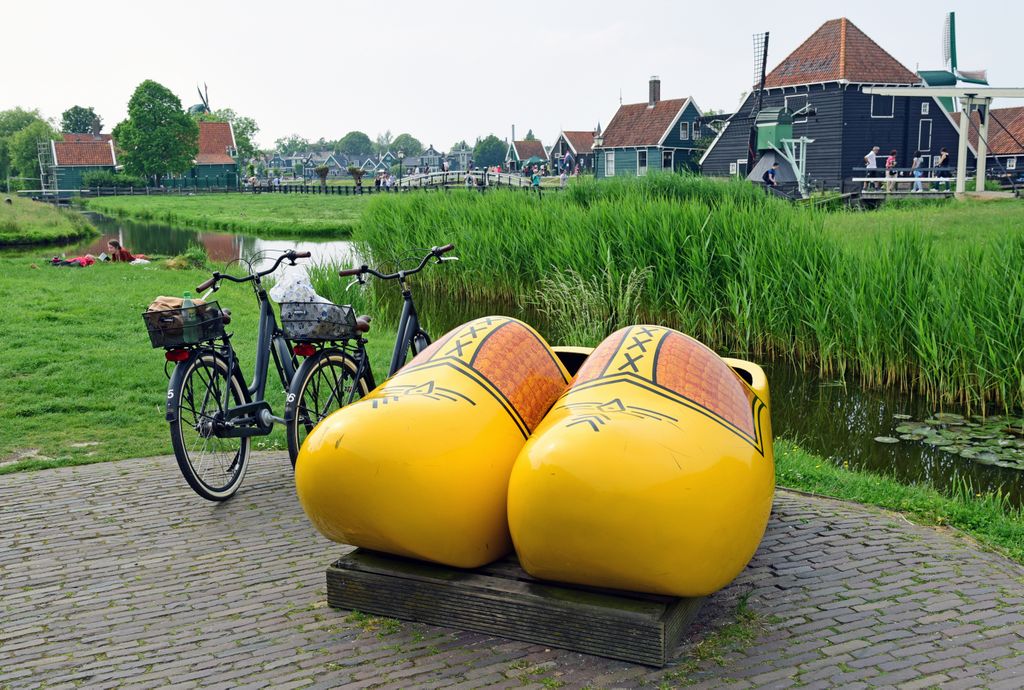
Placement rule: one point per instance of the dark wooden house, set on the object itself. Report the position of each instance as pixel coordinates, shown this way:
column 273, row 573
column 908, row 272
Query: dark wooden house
column 521, row 151
column 653, row 136
column 821, row 83
column 578, row 145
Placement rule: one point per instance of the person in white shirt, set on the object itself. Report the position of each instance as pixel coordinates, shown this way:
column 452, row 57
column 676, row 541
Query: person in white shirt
column 871, row 165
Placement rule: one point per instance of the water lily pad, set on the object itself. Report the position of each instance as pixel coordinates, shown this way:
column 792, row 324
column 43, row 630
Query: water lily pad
column 969, row 453
column 886, row 439
column 954, row 449
column 981, row 437
column 949, row 418
column 932, row 421
column 911, row 437
column 1013, row 430
column 938, row 441
column 910, row 428
column 902, row 416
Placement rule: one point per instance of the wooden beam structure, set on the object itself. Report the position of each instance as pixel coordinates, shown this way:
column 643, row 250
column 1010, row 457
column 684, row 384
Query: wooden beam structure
column 500, row 599
column 967, row 96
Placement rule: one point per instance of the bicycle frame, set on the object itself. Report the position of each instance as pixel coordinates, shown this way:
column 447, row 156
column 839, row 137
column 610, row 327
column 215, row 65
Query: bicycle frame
column 270, row 343
column 408, row 329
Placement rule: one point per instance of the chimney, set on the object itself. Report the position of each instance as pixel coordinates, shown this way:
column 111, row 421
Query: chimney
column 513, row 132
column 655, row 92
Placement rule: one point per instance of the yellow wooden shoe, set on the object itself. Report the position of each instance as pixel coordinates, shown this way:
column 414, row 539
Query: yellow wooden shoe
column 420, row 466
column 652, row 473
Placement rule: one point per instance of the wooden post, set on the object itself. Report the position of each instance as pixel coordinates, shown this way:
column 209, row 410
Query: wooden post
column 983, row 144
column 961, row 157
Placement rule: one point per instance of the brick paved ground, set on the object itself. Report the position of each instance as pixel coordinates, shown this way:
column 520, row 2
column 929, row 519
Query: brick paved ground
column 116, row 574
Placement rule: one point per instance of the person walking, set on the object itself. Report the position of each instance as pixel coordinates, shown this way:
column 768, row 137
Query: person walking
column 943, row 165
column 871, row 166
column 535, row 179
column 915, row 168
column 890, row 170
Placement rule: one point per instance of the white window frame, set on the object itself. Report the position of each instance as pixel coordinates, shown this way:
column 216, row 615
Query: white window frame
column 734, row 169
column 925, row 107
column 641, row 170
column 671, row 159
column 1011, row 163
column 800, row 118
column 684, row 130
column 920, row 132
column 892, row 109
column 609, row 164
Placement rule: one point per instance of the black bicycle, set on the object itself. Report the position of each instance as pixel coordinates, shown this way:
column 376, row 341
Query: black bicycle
column 212, row 413
column 332, row 377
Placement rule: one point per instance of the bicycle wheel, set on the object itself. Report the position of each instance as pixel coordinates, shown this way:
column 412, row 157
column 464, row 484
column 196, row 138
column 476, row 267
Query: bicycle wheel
column 320, row 386
column 213, row 466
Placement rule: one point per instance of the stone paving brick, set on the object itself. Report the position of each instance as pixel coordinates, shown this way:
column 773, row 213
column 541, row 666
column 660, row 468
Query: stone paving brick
column 116, row 574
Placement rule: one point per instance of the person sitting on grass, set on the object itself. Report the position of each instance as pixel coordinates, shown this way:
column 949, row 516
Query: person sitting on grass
column 119, row 253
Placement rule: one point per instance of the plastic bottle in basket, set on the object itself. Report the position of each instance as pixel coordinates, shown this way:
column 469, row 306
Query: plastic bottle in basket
column 190, row 321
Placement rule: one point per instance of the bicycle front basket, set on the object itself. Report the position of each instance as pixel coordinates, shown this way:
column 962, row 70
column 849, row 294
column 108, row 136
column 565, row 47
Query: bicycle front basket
column 170, row 328
column 308, row 321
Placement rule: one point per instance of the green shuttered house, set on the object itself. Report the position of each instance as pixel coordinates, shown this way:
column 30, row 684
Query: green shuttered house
column 78, row 154
column 649, row 137
column 215, row 162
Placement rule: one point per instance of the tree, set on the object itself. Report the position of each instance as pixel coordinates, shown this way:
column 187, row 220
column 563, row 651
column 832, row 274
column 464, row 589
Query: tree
column 243, row 127
column 24, row 152
column 12, row 121
column 291, row 144
column 80, row 120
column 158, row 137
column 321, row 172
column 384, row 142
column 529, row 136
column 17, row 118
column 407, row 143
column 489, row 151
column 355, row 144
column 459, row 146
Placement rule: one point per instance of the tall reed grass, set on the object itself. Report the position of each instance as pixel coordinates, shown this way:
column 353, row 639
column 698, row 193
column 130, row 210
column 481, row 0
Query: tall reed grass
column 743, row 273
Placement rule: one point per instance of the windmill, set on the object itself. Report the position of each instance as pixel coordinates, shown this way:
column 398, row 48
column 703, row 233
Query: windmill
column 760, row 63
column 204, row 107
column 952, row 74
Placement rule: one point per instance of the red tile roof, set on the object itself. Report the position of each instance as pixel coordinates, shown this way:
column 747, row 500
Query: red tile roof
column 70, row 136
column 838, row 50
column 637, row 124
column 215, row 138
column 68, row 153
column 581, row 142
column 529, row 149
column 1003, row 122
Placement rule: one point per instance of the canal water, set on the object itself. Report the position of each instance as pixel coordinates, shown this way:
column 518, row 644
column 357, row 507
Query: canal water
column 155, row 238
column 835, row 419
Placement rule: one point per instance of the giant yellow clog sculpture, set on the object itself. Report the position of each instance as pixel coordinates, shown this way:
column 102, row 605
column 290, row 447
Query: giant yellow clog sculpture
column 652, row 473
column 420, row 466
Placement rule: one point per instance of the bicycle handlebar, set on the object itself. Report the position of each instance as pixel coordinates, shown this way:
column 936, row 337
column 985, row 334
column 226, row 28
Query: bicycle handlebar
column 290, row 255
column 435, row 252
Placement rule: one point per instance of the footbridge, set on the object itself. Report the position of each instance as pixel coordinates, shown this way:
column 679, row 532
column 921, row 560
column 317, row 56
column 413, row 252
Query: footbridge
column 457, row 178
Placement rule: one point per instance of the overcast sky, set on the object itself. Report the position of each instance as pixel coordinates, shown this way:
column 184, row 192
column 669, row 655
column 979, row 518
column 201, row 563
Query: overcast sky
column 445, row 71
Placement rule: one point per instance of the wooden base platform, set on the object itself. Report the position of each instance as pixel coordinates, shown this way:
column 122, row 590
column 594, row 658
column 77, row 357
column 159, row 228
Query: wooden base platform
column 500, row 599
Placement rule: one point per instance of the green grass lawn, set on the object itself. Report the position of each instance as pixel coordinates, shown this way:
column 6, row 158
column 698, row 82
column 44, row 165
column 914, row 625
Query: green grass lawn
column 31, row 222
column 265, row 215
column 953, row 224
column 79, row 381
column 987, row 517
